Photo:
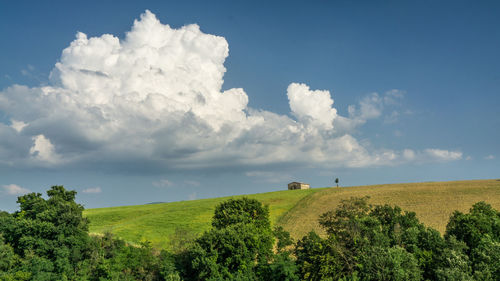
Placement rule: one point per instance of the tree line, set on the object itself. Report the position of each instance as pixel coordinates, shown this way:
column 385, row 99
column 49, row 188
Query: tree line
column 48, row 239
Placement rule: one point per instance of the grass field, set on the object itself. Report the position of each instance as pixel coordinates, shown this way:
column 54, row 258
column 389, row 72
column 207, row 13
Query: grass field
column 433, row 202
column 297, row 210
column 158, row 222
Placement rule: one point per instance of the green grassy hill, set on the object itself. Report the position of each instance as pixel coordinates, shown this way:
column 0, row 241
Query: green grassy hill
column 296, row 210
column 158, row 222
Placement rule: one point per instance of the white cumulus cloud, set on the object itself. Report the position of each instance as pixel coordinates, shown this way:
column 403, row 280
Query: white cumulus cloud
column 43, row 150
column 155, row 99
column 311, row 107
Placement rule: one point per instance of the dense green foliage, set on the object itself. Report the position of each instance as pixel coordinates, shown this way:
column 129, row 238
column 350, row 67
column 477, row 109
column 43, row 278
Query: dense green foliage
column 382, row 243
column 240, row 246
column 47, row 239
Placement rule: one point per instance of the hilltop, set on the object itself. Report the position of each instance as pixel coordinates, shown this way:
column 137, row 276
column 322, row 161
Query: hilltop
column 296, row 210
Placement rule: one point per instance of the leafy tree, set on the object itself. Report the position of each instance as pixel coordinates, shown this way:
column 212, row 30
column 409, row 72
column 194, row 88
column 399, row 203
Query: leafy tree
column 393, row 263
column 486, row 259
column 240, row 240
column 479, row 230
column 319, row 259
column 244, row 210
column 472, row 227
column 227, row 253
column 168, row 270
column 352, row 231
column 50, row 235
column 453, row 263
column 240, row 246
column 340, row 221
column 403, row 229
column 284, row 239
column 282, row 266
column 357, row 235
column 47, row 239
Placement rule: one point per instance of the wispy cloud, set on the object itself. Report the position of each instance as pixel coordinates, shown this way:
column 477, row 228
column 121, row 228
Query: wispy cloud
column 32, row 73
column 490, row 157
column 96, row 189
column 443, row 155
column 17, row 125
column 163, row 183
column 192, row 183
column 14, row 189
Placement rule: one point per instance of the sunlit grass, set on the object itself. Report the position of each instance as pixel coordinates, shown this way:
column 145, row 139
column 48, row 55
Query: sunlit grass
column 433, row 202
column 158, row 222
column 296, row 210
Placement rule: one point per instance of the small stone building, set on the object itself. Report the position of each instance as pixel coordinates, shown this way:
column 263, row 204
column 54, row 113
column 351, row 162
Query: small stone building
column 298, row 185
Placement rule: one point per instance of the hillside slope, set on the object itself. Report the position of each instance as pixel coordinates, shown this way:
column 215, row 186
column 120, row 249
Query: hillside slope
column 433, row 202
column 157, row 223
column 297, row 211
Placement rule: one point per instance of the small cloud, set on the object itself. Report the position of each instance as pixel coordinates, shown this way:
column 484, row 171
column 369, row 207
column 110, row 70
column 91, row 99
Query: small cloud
column 163, row 183
column 468, row 158
column 192, row 183
column 14, row 189
column 489, row 157
column 17, row 125
column 393, row 97
column 444, row 155
column 32, row 73
column 96, row 189
column 43, row 150
column 373, row 105
column 398, row 133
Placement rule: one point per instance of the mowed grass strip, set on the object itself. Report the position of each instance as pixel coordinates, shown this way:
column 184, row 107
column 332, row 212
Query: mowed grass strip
column 157, row 223
column 433, row 202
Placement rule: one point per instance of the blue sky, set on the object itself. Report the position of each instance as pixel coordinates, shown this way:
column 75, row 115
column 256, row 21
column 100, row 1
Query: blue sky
column 128, row 120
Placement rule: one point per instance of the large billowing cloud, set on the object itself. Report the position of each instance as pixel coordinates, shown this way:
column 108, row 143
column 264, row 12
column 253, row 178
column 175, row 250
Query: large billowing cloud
column 155, row 98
